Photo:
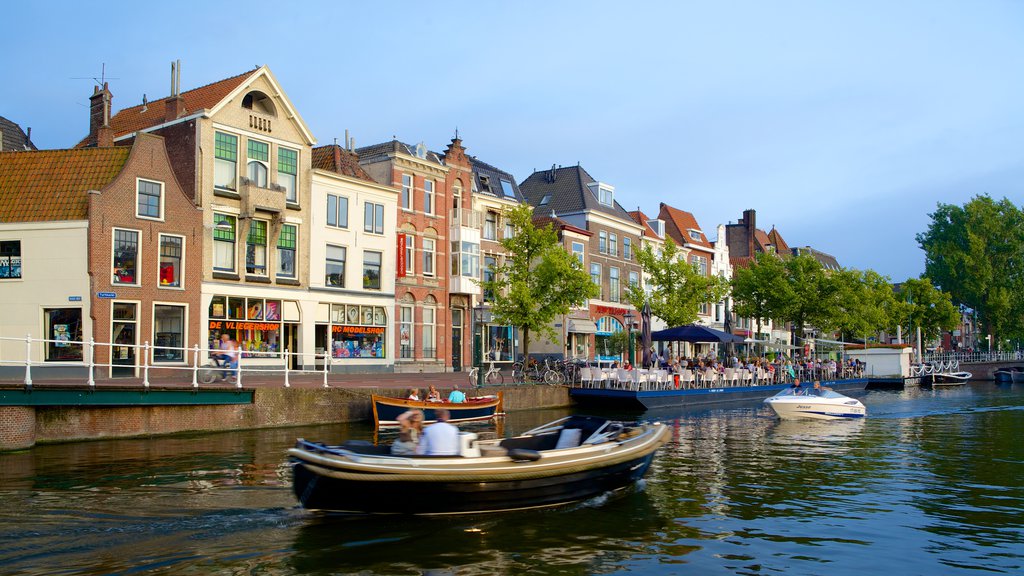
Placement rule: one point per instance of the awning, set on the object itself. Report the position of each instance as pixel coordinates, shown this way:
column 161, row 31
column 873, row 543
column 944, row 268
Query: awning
column 582, row 326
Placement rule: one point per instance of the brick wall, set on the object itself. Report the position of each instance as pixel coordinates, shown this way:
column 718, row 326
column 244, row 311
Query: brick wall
column 17, row 427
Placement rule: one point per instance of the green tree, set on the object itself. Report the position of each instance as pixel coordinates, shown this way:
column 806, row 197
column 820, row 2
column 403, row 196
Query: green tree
column 927, row 307
column 975, row 252
column 537, row 281
column 813, row 295
column 675, row 287
column 866, row 303
column 760, row 290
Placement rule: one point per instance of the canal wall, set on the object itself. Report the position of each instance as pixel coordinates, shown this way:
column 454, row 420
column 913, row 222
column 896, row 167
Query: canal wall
column 25, row 426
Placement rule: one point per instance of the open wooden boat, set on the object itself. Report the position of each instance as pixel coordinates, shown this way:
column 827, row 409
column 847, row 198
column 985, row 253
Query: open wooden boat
column 387, row 409
column 567, row 460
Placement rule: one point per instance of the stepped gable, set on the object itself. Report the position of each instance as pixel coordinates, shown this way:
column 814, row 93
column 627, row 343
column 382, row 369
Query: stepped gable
column 51, row 185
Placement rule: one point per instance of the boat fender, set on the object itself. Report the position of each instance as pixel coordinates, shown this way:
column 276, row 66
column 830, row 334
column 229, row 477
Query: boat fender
column 523, row 455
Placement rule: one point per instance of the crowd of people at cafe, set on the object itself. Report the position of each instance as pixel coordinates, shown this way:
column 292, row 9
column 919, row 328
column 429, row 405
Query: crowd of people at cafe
column 780, row 368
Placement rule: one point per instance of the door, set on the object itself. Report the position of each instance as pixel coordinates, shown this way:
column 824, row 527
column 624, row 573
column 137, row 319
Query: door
column 457, row 339
column 291, row 342
column 123, row 340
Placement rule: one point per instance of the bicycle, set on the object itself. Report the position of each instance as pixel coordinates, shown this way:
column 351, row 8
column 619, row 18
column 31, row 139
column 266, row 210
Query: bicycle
column 492, row 377
column 210, row 373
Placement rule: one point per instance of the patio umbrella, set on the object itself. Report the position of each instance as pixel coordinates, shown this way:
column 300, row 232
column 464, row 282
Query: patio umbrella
column 693, row 333
column 645, row 333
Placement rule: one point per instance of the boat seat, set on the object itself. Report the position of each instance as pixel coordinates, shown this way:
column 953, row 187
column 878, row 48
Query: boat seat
column 365, row 447
column 568, row 438
column 539, row 442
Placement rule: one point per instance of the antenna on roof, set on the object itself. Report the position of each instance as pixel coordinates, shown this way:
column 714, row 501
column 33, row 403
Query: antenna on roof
column 99, row 81
column 456, row 132
column 145, row 103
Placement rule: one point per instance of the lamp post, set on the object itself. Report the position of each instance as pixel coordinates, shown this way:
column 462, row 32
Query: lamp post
column 628, row 317
column 478, row 343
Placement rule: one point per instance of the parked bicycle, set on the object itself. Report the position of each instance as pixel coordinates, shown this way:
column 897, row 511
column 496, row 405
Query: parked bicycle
column 535, row 372
column 493, row 376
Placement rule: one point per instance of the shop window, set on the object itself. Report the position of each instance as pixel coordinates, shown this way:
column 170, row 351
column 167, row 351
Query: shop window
column 224, row 243
column 256, row 248
column 255, row 323
column 335, row 272
column 149, row 197
column 218, row 307
column 171, row 259
column 225, row 163
column 371, row 270
column 499, row 343
column 287, row 173
column 168, row 333
column 10, row 259
column 337, row 211
column 64, row 332
column 126, row 257
column 259, row 156
column 286, row 245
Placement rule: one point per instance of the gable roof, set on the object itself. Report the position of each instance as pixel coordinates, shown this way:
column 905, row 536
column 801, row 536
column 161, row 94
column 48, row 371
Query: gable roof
column 827, row 261
column 642, row 219
column 378, row 152
column 488, row 181
column 50, row 185
column 678, row 224
column 570, row 193
column 337, row 159
column 13, row 137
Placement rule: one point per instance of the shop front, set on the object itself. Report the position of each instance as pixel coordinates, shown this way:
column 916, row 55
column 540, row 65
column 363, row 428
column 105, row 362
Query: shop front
column 355, row 334
column 262, row 327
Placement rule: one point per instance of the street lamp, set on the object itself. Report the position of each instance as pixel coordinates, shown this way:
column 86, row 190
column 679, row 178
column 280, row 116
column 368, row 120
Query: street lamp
column 628, row 317
column 478, row 342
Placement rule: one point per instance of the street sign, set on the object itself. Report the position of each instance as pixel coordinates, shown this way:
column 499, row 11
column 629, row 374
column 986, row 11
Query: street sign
column 107, row 295
column 74, row 298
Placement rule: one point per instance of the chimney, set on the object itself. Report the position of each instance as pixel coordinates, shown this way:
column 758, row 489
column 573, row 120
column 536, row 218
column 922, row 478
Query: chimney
column 337, row 158
column 174, row 106
column 100, row 132
column 750, row 222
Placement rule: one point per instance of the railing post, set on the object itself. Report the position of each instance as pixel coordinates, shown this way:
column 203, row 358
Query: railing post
column 286, row 383
column 145, row 364
column 238, row 375
column 92, row 362
column 195, row 365
column 327, row 366
column 28, row 360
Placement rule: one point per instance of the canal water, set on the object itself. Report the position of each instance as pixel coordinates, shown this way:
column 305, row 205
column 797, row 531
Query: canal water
column 932, row 482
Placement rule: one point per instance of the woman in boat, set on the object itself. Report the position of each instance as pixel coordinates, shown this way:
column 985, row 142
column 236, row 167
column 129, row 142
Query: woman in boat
column 433, row 395
column 414, row 394
column 411, row 423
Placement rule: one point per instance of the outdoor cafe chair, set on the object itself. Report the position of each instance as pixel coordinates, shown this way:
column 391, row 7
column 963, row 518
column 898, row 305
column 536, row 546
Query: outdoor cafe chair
column 730, row 376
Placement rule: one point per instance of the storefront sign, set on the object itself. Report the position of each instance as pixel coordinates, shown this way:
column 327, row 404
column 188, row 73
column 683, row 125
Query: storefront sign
column 356, row 330
column 232, row 325
column 106, row 295
column 609, row 310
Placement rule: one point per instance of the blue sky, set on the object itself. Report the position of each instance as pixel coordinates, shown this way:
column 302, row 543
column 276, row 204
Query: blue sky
column 842, row 123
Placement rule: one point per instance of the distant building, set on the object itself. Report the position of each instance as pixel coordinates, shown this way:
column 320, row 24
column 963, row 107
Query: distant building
column 12, row 138
column 827, row 261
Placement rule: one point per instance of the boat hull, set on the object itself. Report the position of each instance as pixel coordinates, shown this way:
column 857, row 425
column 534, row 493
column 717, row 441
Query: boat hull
column 817, row 410
column 1008, row 375
column 318, row 492
column 386, row 409
column 650, row 399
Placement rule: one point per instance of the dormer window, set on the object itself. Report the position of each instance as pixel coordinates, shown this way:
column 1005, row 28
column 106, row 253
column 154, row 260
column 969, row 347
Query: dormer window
column 695, row 235
column 544, row 201
column 605, row 196
column 506, row 188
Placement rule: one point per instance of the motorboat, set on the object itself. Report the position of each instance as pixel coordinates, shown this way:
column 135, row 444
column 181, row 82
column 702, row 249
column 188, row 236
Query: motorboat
column 1009, row 374
column 821, row 404
column 567, row 460
column 950, row 378
column 386, row 409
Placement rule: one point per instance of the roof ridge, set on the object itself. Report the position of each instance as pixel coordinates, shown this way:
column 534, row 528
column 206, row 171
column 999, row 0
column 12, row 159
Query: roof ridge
column 207, row 85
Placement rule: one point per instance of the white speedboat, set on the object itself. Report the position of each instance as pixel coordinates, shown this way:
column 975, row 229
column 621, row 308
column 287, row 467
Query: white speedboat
column 810, row 403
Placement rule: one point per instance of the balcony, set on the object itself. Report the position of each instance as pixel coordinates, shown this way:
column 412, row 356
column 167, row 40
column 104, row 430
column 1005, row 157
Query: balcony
column 463, row 285
column 262, row 199
column 465, row 219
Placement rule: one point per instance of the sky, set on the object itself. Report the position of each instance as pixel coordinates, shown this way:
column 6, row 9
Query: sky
column 843, row 123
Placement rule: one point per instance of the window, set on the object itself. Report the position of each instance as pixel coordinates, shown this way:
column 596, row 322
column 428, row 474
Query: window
column 491, row 226
column 407, row 191
column 371, row 270
column 149, row 199
column 287, row 173
column 510, row 230
column 256, row 248
column 126, row 257
column 577, row 251
column 410, row 254
column 613, row 277
column 634, row 278
column 695, row 235
column 10, row 259
column 490, row 263
column 225, row 163
column 470, row 260
column 286, row 245
column 602, row 242
column 259, row 156
column 544, row 201
column 171, row 256
column 506, row 187
column 429, row 331
column 405, row 341
column 627, row 249
column 457, row 199
column 224, row 242
column 428, row 256
column 595, row 277
column 613, row 245
column 604, row 196
column 373, row 218
column 335, row 271
column 337, row 211
column 64, row 332
column 168, row 333
column 700, row 263
column 704, row 310
column 428, row 196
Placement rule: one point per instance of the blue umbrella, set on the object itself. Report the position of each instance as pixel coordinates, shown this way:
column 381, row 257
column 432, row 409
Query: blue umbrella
column 694, row 333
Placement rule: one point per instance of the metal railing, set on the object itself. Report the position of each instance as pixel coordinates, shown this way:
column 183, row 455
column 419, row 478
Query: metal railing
column 144, row 360
column 975, row 357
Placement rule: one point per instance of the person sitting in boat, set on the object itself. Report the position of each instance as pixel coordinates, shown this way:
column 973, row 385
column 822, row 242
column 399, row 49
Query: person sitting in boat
column 818, row 389
column 795, row 388
column 433, row 395
column 414, row 394
column 440, row 438
column 456, row 396
column 411, row 423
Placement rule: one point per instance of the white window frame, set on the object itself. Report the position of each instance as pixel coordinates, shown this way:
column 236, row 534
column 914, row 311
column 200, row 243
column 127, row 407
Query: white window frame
column 627, row 248
column 375, row 225
column 490, row 231
column 185, row 356
column 160, row 261
column 291, row 196
column 614, row 294
column 138, row 257
column 408, row 187
column 429, row 257
column 595, row 274
column 602, row 241
column 407, row 318
column 216, row 160
column 338, row 200
column 264, row 163
column 579, row 250
column 613, row 244
column 428, row 197
column 277, row 254
column 429, row 331
column 344, row 265
column 234, row 242
column 410, row 254
column 160, row 204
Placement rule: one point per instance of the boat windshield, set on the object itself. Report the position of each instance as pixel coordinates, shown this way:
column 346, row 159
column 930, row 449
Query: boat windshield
column 808, row 391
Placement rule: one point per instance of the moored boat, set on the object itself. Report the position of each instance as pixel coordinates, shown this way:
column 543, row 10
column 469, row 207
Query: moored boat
column 1009, row 374
column 568, row 460
column 387, row 409
column 818, row 404
column 950, row 378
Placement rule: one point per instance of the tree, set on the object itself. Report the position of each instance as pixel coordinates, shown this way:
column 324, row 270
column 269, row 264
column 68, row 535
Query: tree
column 813, row 295
column 537, row 281
column 927, row 307
column 760, row 290
column 675, row 287
column 975, row 253
column 866, row 303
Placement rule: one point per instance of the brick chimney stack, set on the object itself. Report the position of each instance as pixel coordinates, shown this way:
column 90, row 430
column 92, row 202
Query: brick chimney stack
column 100, row 132
column 750, row 221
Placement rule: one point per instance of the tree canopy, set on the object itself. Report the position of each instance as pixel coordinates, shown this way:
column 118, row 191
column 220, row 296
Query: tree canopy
column 537, row 281
column 760, row 290
column 925, row 306
column 675, row 288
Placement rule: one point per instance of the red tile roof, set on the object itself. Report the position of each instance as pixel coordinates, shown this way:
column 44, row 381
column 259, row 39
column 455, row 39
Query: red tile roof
column 136, row 118
column 337, row 159
column 780, row 245
column 52, row 185
column 678, row 224
column 640, row 218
